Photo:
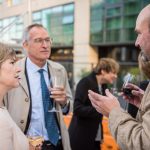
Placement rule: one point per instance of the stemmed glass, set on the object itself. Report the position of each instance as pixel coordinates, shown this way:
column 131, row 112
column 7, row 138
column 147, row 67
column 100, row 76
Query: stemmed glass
column 56, row 82
column 36, row 138
column 126, row 90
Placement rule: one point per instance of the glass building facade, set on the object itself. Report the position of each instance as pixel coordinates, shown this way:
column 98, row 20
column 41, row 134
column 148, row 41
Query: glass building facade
column 109, row 26
column 113, row 21
column 11, row 29
column 60, row 23
column 112, row 26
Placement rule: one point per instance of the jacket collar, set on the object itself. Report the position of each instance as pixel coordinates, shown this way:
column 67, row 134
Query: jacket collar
column 23, row 80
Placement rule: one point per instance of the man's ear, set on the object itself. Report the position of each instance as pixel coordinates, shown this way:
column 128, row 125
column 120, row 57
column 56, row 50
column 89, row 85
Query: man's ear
column 25, row 44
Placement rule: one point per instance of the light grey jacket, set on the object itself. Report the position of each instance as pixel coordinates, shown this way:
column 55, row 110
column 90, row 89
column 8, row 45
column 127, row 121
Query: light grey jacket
column 130, row 133
column 18, row 100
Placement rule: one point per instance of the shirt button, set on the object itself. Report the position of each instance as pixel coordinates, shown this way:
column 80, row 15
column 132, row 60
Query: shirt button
column 22, row 121
column 27, row 99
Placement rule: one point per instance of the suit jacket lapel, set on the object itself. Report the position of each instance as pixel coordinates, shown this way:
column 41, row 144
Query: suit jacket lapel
column 23, row 80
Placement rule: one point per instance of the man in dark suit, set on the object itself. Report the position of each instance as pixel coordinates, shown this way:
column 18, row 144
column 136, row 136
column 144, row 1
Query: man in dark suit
column 85, row 130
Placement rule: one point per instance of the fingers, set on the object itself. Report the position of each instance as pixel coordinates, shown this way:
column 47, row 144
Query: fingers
column 95, row 100
column 94, row 96
column 58, row 94
column 132, row 86
column 38, row 147
column 109, row 94
column 138, row 93
column 59, row 98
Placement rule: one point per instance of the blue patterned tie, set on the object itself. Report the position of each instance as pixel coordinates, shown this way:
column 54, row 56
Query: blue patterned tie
column 50, row 120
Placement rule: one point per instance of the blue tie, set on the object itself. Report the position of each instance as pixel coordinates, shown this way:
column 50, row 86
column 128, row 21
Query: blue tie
column 50, row 119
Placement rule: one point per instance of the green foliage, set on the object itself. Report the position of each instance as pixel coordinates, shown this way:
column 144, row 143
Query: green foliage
column 135, row 71
column 84, row 72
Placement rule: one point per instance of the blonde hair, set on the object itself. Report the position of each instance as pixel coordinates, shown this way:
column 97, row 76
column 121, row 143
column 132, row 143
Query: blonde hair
column 6, row 52
column 108, row 65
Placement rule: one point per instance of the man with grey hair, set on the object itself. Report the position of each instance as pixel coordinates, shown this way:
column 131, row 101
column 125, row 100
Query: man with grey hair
column 30, row 103
column 130, row 133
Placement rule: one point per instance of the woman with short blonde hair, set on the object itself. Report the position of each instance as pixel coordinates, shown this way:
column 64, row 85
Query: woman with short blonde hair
column 11, row 137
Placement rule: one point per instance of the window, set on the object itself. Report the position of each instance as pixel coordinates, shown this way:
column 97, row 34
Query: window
column 11, row 29
column 145, row 2
column 131, row 8
column 37, row 15
column 129, row 34
column 59, row 22
column 113, row 23
column 96, row 26
column 57, row 10
column 68, row 8
column 112, row 1
column 129, row 21
column 13, row 2
column 67, row 19
column 113, row 12
column 113, row 35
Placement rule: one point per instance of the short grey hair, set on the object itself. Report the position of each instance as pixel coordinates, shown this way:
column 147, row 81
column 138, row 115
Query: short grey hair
column 25, row 36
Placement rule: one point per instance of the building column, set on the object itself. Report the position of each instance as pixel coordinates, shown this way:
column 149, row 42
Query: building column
column 85, row 56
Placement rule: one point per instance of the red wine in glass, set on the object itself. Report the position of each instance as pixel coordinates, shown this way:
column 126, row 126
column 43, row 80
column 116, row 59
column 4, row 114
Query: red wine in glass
column 127, row 92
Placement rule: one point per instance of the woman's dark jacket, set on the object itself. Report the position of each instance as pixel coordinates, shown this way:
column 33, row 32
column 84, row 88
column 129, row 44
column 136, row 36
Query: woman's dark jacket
column 86, row 120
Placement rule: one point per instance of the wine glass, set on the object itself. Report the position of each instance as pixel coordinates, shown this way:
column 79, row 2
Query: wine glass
column 56, row 82
column 129, row 78
column 36, row 137
column 126, row 90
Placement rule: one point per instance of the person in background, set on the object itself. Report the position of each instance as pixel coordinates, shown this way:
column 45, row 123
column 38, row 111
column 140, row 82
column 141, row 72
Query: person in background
column 85, row 129
column 29, row 104
column 11, row 136
column 145, row 68
column 130, row 133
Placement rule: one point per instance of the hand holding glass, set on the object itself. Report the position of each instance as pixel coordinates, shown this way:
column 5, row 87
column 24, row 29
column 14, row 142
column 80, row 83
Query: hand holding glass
column 35, row 138
column 127, row 91
column 56, row 83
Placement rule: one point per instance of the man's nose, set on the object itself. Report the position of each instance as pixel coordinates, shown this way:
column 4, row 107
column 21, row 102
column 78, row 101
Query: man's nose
column 44, row 43
column 137, row 43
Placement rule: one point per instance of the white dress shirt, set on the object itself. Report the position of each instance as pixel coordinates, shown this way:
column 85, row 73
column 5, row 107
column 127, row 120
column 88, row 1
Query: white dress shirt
column 37, row 124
